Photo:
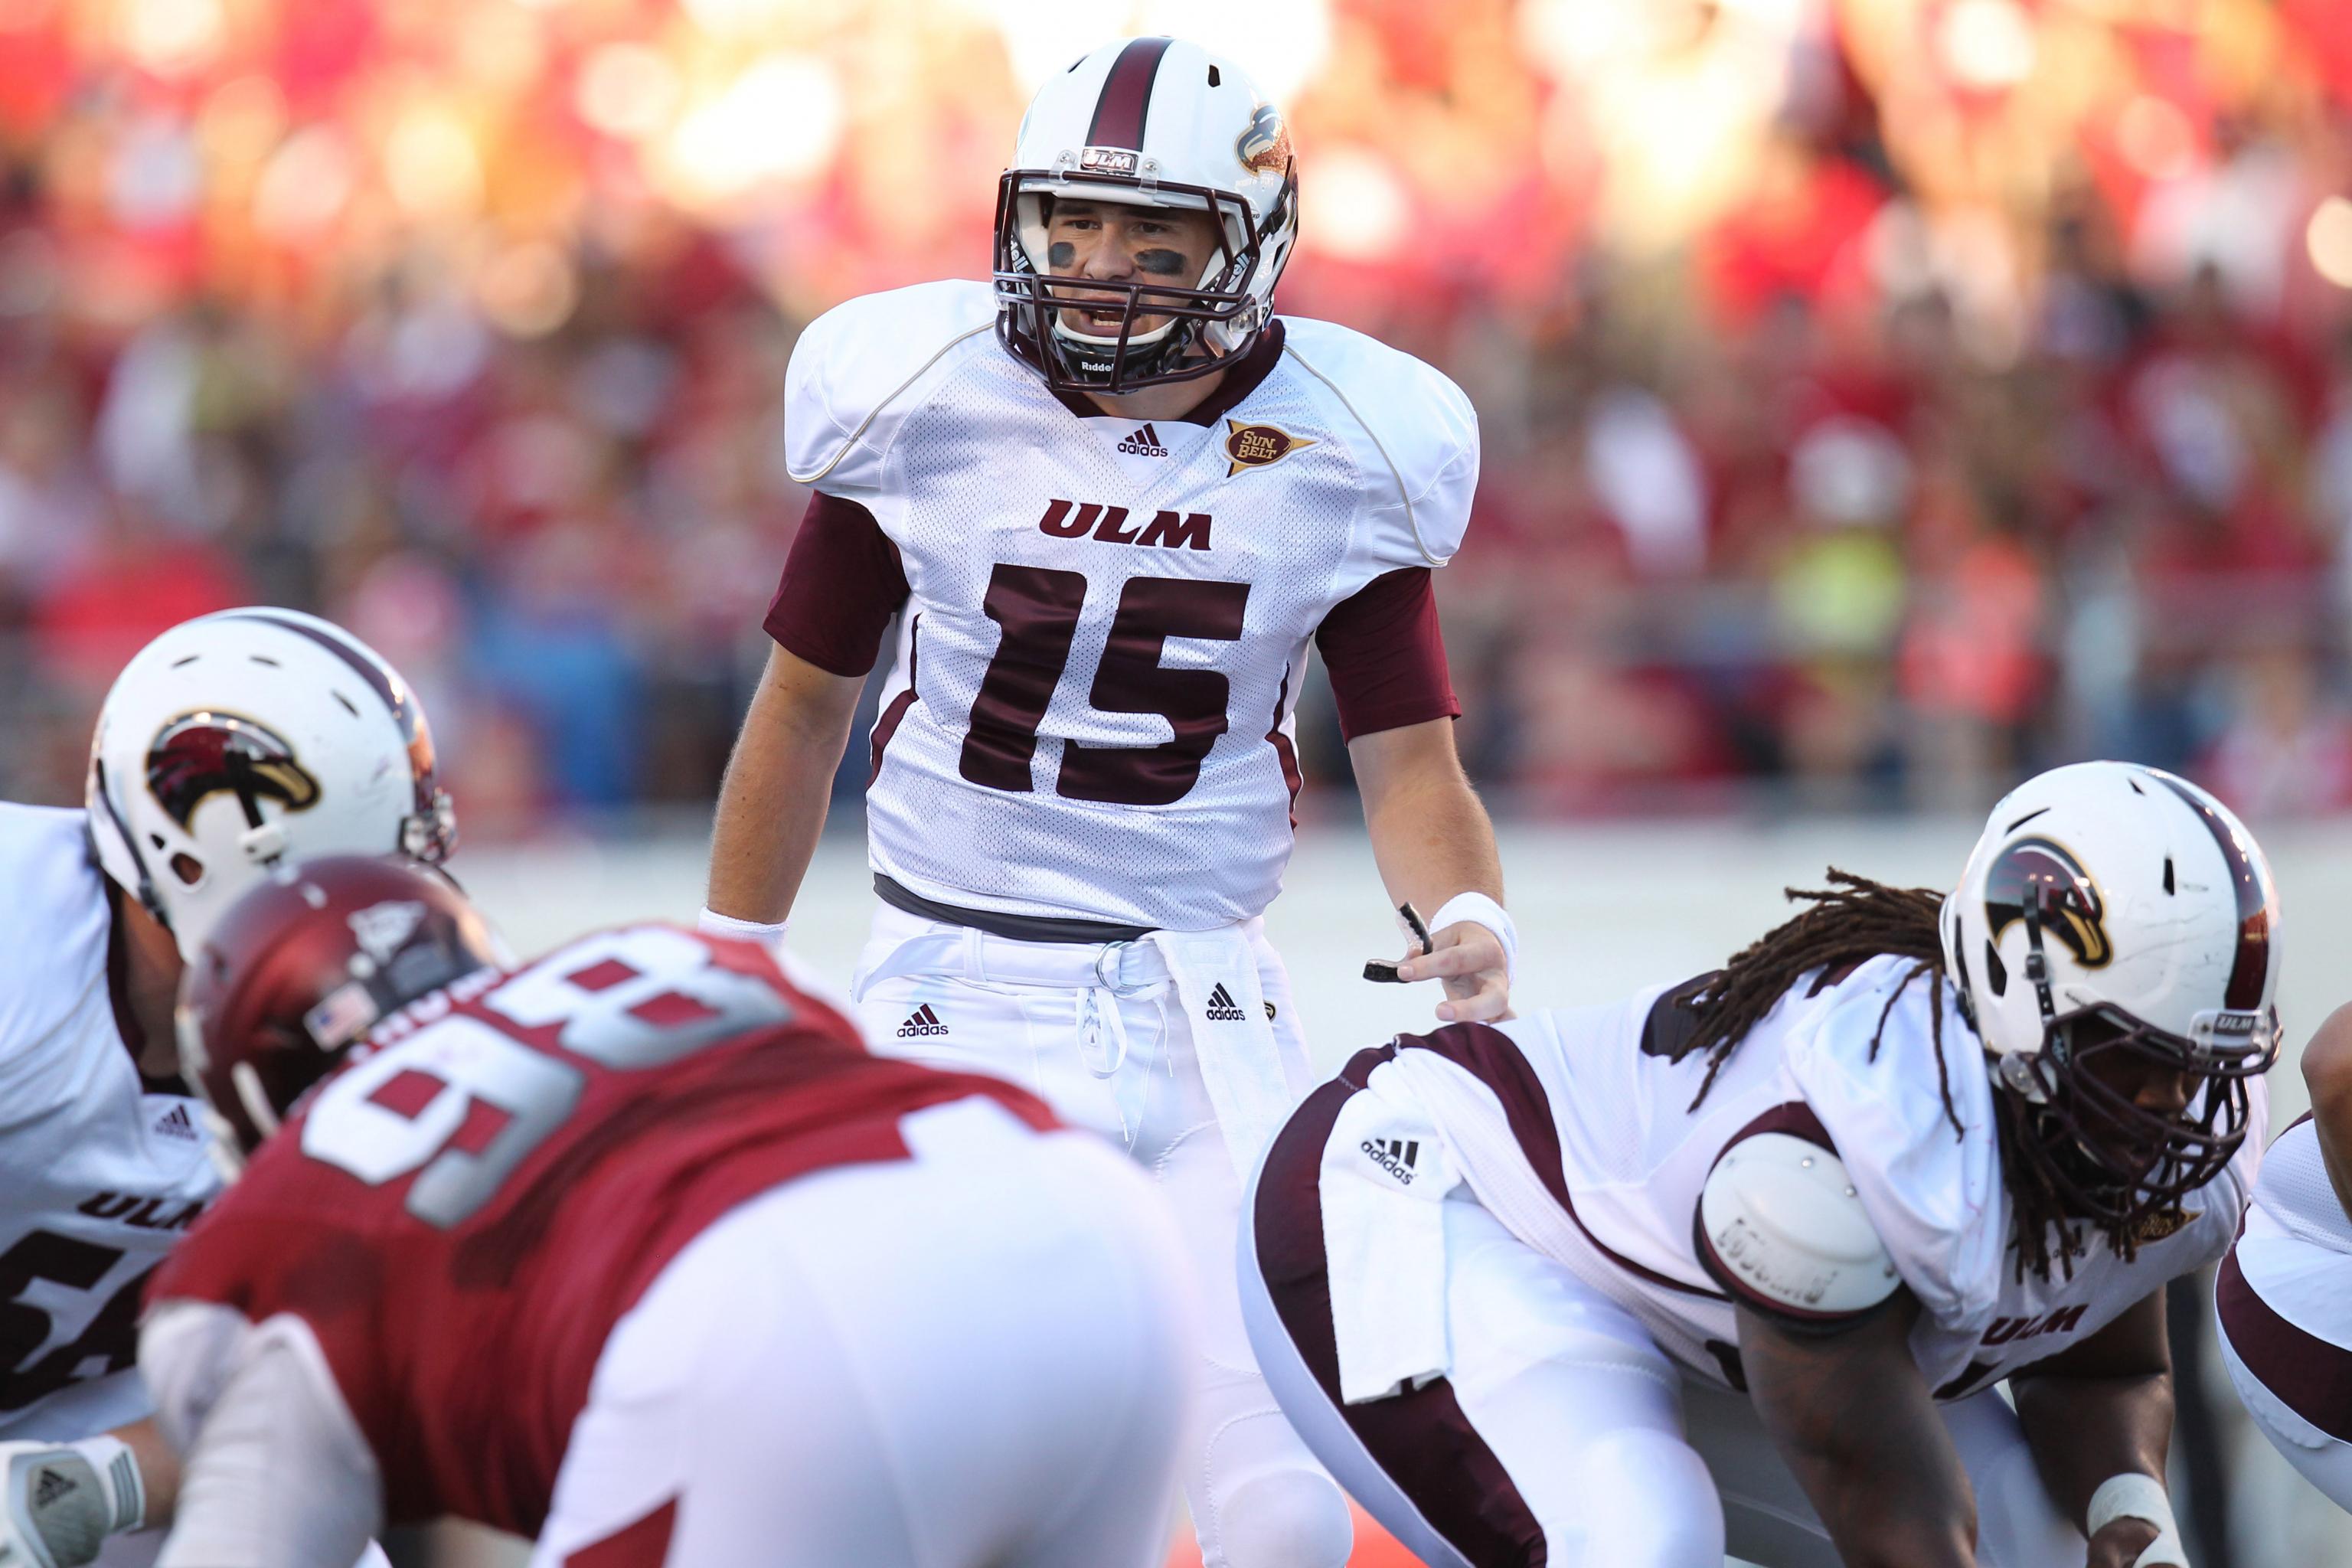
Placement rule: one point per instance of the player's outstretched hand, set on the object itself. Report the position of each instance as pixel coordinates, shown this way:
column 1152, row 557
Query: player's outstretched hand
column 1469, row 959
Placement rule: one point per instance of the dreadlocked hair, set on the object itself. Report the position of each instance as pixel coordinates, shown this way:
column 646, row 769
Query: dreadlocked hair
column 1849, row 922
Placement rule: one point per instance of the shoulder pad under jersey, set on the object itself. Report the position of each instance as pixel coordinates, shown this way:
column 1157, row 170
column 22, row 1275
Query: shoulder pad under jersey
column 1420, row 459
column 1782, row 1228
column 846, row 388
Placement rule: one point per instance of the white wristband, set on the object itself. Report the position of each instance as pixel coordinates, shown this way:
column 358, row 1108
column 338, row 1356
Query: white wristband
column 2131, row 1495
column 711, row 922
column 1480, row 909
column 119, row 1478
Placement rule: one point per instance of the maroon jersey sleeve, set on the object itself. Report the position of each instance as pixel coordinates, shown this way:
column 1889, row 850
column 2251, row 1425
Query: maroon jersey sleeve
column 1387, row 657
column 843, row 581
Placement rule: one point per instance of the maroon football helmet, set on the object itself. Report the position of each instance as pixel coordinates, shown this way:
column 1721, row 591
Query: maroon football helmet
column 300, row 968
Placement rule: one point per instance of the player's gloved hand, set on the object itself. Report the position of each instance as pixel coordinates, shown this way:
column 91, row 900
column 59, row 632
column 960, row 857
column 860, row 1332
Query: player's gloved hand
column 59, row 1501
column 1471, row 961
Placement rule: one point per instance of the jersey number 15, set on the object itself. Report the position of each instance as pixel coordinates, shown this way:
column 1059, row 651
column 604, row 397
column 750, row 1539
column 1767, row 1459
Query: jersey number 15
column 1038, row 609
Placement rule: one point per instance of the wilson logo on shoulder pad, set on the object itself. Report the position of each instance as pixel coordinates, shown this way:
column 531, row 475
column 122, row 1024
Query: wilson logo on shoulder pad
column 921, row 1021
column 1397, row 1156
column 1221, row 1007
column 1143, row 442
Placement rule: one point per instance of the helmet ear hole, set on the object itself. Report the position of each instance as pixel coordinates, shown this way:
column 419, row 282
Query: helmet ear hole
column 188, row 868
column 1996, row 972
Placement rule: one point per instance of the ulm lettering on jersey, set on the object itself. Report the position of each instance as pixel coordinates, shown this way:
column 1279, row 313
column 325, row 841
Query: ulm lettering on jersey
column 1167, row 530
column 2060, row 1321
column 140, row 1214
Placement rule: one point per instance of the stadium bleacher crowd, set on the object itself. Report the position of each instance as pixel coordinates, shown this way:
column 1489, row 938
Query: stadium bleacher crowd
column 1880, row 397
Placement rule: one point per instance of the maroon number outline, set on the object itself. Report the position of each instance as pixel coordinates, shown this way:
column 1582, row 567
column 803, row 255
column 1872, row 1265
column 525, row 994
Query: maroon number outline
column 1037, row 608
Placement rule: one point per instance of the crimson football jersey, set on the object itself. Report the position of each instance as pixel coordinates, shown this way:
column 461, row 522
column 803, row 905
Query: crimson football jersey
column 462, row 1213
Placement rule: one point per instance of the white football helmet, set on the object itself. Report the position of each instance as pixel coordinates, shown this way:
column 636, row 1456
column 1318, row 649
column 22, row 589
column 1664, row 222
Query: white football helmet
column 1152, row 122
column 2114, row 907
column 238, row 738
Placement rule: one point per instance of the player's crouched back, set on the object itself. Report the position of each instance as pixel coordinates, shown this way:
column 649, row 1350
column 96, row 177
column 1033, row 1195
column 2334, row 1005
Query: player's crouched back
column 637, row 1245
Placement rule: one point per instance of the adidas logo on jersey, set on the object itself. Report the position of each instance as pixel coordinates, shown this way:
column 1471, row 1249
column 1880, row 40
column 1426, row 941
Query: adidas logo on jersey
column 177, row 1123
column 1221, row 1007
column 1394, row 1156
column 921, row 1021
column 1143, row 442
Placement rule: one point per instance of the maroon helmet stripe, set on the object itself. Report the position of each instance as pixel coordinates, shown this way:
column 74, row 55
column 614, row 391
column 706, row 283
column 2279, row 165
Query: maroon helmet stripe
column 379, row 678
column 1125, row 98
column 2254, row 961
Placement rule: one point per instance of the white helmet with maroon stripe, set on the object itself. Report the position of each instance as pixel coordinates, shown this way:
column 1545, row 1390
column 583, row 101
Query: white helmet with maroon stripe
column 240, row 738
column 1152, row 123
column 2114, row 907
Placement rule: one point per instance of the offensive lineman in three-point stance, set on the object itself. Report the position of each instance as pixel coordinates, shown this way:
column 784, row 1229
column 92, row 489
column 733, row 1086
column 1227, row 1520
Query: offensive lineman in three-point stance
column 1110, row 501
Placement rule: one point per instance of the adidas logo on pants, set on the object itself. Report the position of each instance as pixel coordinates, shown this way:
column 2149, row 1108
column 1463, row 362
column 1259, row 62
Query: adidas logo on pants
column 921, row 1021
column 1221, row 1007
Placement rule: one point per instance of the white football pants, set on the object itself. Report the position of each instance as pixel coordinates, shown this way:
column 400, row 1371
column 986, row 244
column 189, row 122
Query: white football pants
column 1568, row 1433
column 1100, row 1035
column 970, row 1359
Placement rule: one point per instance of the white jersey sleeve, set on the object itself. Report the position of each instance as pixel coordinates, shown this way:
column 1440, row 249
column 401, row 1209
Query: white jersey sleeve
column 856, row 372
column 276, row 1472
column 1934, row 1193
column 1419, row 463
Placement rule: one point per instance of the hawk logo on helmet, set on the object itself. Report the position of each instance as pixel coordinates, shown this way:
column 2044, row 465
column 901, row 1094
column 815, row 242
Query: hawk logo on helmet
column 1265, row 147
column 208, row 752
column 2036, row 875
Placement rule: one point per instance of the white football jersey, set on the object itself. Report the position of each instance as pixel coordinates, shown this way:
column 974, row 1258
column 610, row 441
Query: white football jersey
column 1605, row 1117
column 1091, row 712
column 97, row 1178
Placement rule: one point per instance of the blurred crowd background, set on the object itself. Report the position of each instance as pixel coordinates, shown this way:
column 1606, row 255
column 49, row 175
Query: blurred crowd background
column 1880, row 396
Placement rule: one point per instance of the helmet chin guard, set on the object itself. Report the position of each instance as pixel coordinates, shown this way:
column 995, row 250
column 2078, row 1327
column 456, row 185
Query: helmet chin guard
column 1157, row 124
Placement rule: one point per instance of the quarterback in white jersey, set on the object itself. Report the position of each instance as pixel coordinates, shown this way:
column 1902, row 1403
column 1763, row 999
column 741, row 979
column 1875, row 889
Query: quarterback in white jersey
column 2284, row 1294
column 1740, row 1264
column 1109, row 501
column 225, row 742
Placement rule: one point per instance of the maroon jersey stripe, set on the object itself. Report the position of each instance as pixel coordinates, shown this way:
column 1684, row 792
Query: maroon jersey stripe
column 2311, row 1376
column 1493, row 1058
column 1126, row 99
column 2245, row 992
column 1285, row 752
column 887, row 725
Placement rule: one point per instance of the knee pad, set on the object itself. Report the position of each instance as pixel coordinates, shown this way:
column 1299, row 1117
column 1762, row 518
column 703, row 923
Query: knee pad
column 1282, row 1518
column 1663, row 1510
